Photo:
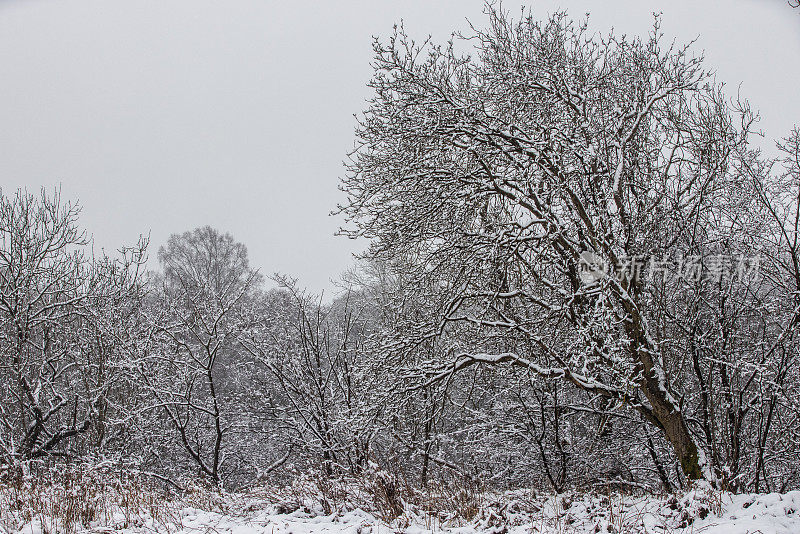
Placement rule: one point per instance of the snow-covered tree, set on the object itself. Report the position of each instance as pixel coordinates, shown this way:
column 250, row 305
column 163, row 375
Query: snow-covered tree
column 66, row 319
column 501, row 172
column 201, row 315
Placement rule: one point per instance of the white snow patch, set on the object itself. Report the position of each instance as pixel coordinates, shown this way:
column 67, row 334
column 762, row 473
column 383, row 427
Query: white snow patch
column 701, row 510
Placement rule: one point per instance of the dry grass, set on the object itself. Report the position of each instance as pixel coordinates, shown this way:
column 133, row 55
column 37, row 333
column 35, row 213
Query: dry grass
column 86, row 497
column 72, row 498
column 389, row 495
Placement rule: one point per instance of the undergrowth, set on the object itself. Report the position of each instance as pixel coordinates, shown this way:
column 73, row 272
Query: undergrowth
column 76, row 498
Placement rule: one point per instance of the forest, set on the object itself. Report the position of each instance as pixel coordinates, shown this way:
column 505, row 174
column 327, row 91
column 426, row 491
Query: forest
column 582, row 271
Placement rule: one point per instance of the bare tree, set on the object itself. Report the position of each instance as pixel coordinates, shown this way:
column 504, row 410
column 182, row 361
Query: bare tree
column 502, row 172
column 63, row 326
column 776, row 186
column 312, row 353
column 201, row 315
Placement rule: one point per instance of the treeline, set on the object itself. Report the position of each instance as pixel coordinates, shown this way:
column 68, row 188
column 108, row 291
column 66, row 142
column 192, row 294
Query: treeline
column 581, row 272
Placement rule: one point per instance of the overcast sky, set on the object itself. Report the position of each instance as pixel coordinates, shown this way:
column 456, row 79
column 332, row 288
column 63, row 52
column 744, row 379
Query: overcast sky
column 161, row 116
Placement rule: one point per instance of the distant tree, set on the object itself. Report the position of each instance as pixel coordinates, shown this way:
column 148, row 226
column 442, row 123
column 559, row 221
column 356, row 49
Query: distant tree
column 312, row 353
column 201, row 313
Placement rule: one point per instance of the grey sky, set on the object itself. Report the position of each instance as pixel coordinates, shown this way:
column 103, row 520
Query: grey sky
column 160, row 116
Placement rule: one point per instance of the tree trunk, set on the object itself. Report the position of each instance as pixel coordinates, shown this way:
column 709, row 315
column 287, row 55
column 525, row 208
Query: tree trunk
column 677, row 433
column 664, row 411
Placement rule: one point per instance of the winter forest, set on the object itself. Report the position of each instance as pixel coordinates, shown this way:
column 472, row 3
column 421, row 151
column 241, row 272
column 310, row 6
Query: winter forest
column 581, row 277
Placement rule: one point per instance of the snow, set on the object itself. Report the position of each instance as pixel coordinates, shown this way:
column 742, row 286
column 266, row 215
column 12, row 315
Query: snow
column 701, row 510
column 747, row 514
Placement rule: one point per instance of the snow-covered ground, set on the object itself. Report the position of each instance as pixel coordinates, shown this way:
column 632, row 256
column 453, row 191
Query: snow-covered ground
column 510, row 513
